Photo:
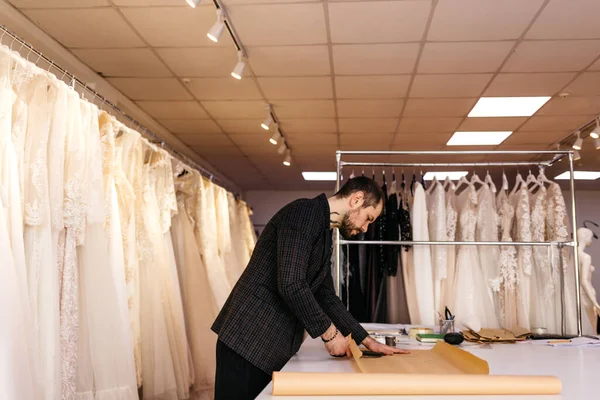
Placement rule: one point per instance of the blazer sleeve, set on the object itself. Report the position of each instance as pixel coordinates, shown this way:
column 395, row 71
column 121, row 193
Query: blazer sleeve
column 294, row 247
column 338, row 313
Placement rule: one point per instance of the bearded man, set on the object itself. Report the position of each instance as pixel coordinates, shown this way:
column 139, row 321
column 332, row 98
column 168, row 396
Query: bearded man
column 287, row 288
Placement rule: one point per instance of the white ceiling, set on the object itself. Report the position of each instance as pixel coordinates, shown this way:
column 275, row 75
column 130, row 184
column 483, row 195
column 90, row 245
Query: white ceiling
column 356, row 75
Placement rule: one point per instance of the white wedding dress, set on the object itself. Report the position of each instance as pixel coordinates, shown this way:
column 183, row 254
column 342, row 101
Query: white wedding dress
column 448, row 283
column 489, row 256
column 522, row 233
column 508, row 264
column 421, row 274
column 436, row 206
column 472, row 303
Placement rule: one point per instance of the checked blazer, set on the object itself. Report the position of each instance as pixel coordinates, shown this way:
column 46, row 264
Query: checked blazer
column 286, row 288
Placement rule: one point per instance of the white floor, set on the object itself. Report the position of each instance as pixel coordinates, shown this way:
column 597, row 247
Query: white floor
column 577, row 368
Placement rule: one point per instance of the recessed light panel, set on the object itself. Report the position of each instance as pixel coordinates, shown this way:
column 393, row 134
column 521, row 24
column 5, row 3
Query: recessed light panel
column 489, row 138
column 319, row 176
column 508, row 106
column 580, row 175
column 442, row 175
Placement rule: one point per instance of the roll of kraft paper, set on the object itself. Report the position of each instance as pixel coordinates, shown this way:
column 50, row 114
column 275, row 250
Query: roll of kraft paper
column 349, row 384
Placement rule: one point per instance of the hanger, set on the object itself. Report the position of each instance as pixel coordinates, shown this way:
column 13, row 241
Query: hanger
column 504, row 180
column 463, row 181
column 393, row 187
column 412, row 183
column 352, row 174
column 448, row 182
column 488, row 179
column 434, row 183
column 542, row 177
column 384, row 182
column 519, row 181
column 533, row 181
column 475, row 179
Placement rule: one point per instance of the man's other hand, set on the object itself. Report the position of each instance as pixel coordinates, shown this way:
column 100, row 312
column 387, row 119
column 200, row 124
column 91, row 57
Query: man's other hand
column 374, row 345
column 338, row 346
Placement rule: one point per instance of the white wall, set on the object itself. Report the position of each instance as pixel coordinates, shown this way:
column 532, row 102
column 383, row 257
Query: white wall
column 267, row 203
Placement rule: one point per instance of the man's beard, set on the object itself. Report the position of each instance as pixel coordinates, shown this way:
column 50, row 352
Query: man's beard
column 346, row 227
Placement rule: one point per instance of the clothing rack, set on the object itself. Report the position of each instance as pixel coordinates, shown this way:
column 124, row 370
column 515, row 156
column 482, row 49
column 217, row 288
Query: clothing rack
column 555, row 154
column 73, row 80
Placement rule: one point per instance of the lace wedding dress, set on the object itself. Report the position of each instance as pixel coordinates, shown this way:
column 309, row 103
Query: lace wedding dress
column 508, row 264
column 522, row 233
column 489, row 256
column 421, row 273
column 436, row 206
column 198, row 301
column 472, row 303
column 448, row 283
column 18, row 343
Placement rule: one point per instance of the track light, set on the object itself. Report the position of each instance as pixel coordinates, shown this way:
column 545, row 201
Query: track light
column 193, row 3
column 576, row 155
column 288, row 159
column 216, row 31
column 269, row 121
column 595, row 134
column 238, row 71
column 282, row 148
column 597, row 143
column 578, row 142
column 276, row 137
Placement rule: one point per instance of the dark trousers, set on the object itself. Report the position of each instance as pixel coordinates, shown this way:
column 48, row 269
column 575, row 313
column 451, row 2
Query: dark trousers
column 236, row 378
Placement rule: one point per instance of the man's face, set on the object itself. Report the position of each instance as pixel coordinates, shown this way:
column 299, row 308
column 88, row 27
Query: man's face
column 357, row 220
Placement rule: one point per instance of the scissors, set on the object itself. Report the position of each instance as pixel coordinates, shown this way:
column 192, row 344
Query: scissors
column 448, row 314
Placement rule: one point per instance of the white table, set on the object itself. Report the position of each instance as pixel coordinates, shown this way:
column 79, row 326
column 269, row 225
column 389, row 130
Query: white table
column 577, row 368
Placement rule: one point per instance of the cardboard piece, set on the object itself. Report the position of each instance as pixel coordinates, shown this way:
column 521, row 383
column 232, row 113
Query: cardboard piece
column 497, row 335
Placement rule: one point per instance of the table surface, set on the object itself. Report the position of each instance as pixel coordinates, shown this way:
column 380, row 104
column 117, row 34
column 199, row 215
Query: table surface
column 577, row 368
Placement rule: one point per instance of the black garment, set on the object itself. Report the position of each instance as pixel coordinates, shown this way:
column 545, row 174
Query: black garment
column 287, row 287
column 236, row 378
column 392, row 233
column 404, row 222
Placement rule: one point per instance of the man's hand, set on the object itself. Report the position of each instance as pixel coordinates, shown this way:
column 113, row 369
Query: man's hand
column 374, row 345
column 338, row 346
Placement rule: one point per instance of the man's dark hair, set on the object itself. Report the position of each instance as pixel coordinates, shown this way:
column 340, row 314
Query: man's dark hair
column 372, row 190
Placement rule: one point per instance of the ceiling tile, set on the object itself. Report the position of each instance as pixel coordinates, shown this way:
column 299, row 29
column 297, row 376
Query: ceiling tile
column 236, row 109
column 382, row 143
column 567, row 19
column 416, row 125
column 216, row 153
column 423, row 140
column 540, row 84
column 449, row 85
column 205, row 139
column 224, row 89
column 571, row 106
column 379, row 59
column 176, row 26
column 587, row 84
column 367, row 126
column 289, row 60
column 543, row 138
column 173, row 109
column 595, row 66
column 123, row 62
column 148, row 3
column 260, row 149
column 251, row 140
column 381, row 140
column 267, row 1
column 313, row 140
column 151, row 89
column 371, row 87
column 307, row 125
column 296, row 88
column 438, row 107
column 378, row 22
column 553, row 56
column 369, row 108
column 304, row 108
column 200, row 61
column 492, row 124
column 463, row 57
column 279, row 24
column 86, row 27
column 552, row 123
column 58, row 3
column 463, row 20
column 194, row 126
column 243, row 126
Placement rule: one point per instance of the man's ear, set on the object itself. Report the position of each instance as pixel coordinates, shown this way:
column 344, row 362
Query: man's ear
column 357, row 199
